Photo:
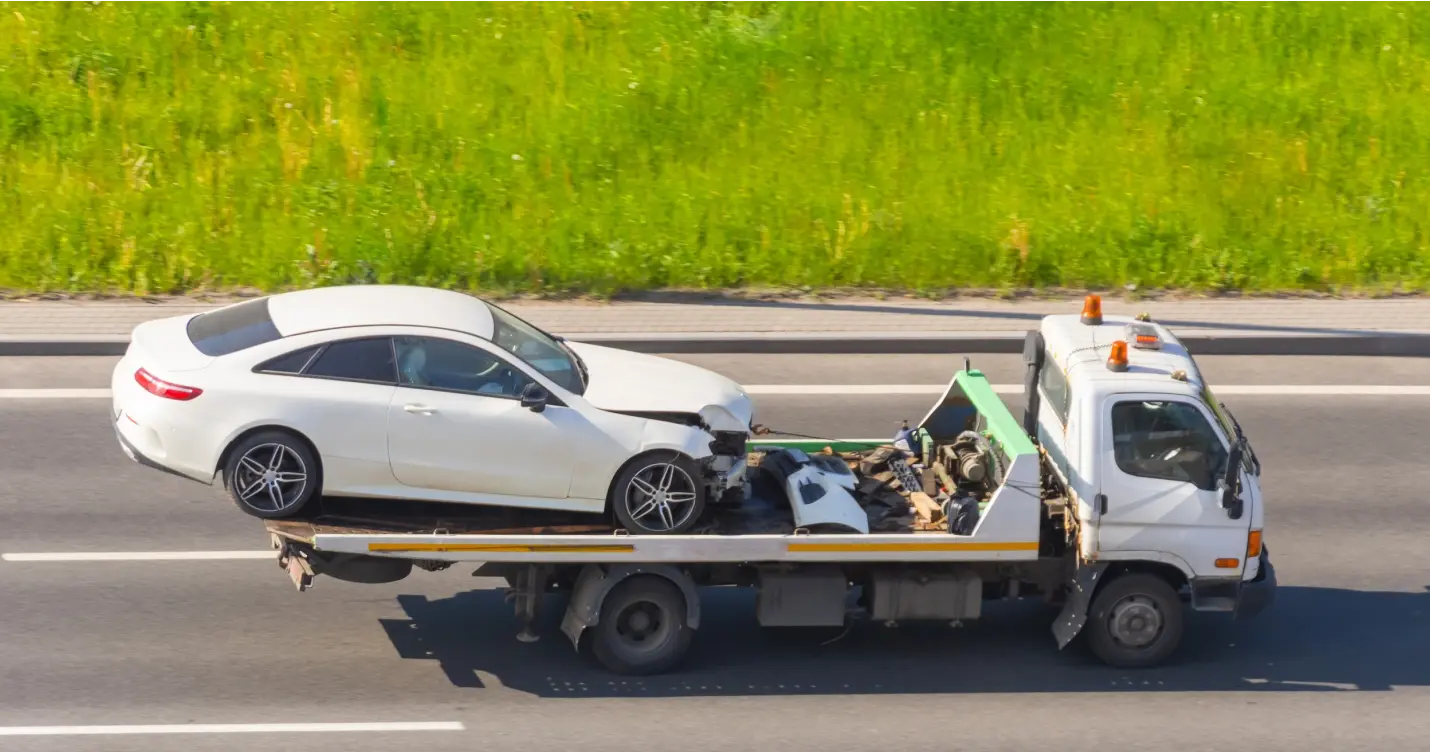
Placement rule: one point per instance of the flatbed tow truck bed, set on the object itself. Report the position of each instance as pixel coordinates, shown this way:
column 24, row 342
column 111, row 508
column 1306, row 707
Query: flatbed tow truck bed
column 759, row 529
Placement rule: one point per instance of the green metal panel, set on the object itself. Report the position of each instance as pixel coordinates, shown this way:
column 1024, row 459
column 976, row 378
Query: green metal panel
column 1005, row 428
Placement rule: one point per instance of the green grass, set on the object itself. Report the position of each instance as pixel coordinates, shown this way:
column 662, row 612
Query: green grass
column 173, row 147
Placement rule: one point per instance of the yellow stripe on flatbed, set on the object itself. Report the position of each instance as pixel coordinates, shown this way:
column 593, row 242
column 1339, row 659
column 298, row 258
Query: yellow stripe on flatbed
column 831, row 548
column 502, row 548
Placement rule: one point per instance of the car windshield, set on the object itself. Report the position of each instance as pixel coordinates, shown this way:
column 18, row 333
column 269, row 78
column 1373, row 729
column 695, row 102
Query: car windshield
column 539, row 349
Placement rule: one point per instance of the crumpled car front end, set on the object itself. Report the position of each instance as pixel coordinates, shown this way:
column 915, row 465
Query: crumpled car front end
column 671, row 391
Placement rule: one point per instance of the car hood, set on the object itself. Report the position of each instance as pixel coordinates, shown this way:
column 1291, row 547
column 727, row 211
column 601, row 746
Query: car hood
column 630, row 382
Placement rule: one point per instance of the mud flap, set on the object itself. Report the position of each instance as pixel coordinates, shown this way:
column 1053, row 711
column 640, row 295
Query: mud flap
column 1074, row 613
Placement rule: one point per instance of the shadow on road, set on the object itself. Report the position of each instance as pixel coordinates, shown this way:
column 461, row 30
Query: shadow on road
column 1311, row 639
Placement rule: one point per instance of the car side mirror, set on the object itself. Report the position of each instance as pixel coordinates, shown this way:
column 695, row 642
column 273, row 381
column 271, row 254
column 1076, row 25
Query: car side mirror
column 1231, row 483
column 534, row 397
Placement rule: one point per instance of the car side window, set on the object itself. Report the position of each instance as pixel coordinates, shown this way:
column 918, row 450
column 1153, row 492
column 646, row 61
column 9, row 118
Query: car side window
column 433, row 363
column 292, row 362
column 356, row 360
column 1167, row 440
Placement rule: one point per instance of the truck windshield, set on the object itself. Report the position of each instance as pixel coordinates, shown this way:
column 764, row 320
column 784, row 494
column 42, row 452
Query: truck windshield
column 1230, row 426
column 545, row 353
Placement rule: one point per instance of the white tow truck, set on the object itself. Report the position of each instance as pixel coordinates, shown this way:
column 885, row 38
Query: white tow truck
column 1126, row 493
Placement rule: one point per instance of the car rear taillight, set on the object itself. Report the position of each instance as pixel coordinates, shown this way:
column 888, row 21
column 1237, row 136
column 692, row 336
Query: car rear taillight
column 162, row 388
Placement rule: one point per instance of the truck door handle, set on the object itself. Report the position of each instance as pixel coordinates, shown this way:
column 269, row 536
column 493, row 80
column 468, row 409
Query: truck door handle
column 1101, row 500
column 420, row 409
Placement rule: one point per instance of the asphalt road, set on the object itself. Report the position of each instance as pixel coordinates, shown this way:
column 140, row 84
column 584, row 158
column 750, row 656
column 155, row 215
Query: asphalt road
column 1341, row 662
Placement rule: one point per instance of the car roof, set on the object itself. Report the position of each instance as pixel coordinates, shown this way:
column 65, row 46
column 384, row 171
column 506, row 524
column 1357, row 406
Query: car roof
column 316, row 309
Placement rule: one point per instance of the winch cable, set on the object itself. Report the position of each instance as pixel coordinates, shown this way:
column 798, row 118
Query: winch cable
column 767, row 431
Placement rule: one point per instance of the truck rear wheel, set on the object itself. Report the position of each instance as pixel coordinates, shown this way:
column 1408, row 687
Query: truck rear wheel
column 1135, row 621
column 643, row 629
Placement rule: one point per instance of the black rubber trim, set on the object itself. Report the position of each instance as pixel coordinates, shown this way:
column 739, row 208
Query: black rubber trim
column 1260, row 592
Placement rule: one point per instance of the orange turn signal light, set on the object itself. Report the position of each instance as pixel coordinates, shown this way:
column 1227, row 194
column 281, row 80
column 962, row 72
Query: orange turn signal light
column 1228, row 563
column 1092, row 310
column 1253, row 544
column 1117, row 359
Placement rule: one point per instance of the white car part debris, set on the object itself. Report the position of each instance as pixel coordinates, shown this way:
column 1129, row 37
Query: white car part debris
column 819, row 494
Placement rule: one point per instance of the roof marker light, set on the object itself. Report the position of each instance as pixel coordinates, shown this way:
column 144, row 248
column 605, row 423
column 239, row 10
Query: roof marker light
column 1144, row 336
column 1117, row 360
column 1092, row 310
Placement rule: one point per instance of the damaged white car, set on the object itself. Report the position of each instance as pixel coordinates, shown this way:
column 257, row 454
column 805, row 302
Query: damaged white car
column 402, row 392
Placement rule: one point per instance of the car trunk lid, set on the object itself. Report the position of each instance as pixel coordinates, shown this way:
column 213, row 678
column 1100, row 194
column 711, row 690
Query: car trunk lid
column 163, row 346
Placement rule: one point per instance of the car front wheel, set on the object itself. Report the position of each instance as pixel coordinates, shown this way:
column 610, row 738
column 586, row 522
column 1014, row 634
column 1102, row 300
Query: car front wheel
column 271, row 475
column 659, row 494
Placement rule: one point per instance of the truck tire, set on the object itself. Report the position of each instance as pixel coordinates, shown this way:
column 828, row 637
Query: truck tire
column 1135, row 621
column 642, row 629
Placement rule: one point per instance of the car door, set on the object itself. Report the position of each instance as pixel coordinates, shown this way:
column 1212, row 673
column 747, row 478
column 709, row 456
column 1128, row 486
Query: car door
column 1160, row 460
column 456, row 424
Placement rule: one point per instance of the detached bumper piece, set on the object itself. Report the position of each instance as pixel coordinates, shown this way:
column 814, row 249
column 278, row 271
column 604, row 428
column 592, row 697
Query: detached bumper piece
column 820, row 490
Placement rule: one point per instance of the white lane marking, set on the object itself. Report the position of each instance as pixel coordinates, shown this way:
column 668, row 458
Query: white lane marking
column 1246, row 390
column 228, row 728
column 1275, row 390
column 141, row 556
column 54, row 394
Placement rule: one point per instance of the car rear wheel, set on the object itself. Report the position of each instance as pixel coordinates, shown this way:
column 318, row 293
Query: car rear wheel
column 659, row 494
column 271, row 474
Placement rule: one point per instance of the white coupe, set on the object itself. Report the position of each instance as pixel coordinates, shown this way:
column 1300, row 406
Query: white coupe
column 414, row 393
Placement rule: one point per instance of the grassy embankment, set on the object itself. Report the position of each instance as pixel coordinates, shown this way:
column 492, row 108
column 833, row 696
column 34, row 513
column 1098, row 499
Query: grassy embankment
column 173, row 147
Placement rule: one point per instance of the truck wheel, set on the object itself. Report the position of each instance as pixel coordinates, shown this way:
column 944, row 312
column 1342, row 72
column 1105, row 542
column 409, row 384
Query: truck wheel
column 659, row 494
column 1135, row 621
column 642, row 630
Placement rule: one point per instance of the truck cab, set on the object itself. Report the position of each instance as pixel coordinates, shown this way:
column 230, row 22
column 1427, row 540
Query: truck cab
column 1158, row 473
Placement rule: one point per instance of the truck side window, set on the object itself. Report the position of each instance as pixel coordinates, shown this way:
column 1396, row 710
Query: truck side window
column 1055, row 386
column 1167, row 440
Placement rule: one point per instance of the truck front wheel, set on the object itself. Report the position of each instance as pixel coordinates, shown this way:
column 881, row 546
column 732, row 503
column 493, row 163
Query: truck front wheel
column 642, row 629
column 1135, row 621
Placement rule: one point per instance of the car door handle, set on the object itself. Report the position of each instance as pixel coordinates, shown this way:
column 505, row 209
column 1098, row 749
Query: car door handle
column 1101, row 500
column 420, row 409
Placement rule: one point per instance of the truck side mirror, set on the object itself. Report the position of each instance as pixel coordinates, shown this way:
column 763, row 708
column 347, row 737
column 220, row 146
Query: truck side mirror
column 1231, row 483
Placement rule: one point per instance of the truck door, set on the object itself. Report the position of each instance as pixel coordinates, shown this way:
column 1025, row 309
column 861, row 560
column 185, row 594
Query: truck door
column 1159, row 459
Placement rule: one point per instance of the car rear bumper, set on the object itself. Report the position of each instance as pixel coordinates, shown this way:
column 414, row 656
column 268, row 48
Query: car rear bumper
column 1258, row 593
column 138, row 455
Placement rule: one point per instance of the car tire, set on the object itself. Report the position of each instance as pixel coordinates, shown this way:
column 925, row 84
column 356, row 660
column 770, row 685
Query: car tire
column 272, row 475
column 640, row 512
column 643, row 628
column 1135, row 621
